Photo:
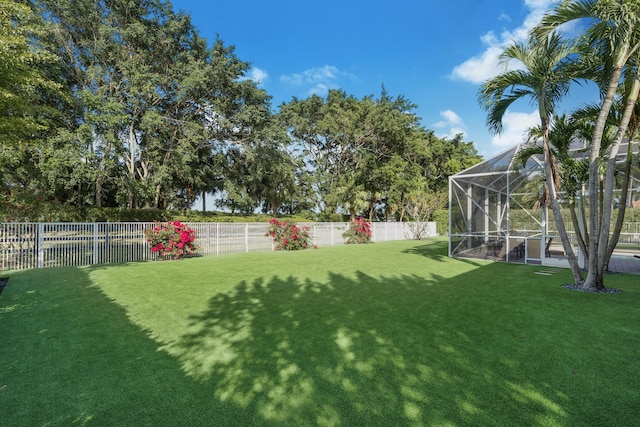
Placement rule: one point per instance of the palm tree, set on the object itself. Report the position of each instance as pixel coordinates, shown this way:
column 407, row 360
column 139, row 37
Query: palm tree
column 545, row 80
column 614, row 32
column 630, row 92
column 575, row 173
column 563, row 132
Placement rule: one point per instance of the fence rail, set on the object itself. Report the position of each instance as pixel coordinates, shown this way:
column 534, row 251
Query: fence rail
column 41, row 245
column 629, row 234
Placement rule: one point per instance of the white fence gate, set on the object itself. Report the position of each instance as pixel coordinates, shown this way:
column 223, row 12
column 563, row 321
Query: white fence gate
column 40, row 245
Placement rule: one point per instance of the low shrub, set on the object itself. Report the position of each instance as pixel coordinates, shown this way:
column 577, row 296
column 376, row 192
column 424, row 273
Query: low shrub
column 288, row 237
column 359, row 232
column 171, row 240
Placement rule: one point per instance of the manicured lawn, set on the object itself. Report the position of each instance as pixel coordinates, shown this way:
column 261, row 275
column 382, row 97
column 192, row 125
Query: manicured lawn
column 387, row 334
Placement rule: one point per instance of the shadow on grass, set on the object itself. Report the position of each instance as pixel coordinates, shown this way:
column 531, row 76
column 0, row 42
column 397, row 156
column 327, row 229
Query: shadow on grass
column 350, row 350
column 69, row 356
column 437, row 250
column 363, row 351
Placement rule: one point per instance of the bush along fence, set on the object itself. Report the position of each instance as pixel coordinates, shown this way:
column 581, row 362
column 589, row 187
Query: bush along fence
column 40, row 245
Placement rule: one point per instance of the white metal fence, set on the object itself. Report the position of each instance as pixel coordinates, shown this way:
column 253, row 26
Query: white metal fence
column 629, row 234
column 40, row 245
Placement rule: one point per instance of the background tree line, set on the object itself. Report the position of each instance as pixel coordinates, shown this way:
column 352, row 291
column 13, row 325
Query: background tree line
column 121, row 103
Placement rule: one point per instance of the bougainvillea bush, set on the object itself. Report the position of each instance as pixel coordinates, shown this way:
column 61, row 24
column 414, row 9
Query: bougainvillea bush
column 359, row 232
column 288, row 237
column 172, row 239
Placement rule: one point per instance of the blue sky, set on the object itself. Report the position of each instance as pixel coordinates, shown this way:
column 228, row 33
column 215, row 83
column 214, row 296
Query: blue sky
column 435, row 53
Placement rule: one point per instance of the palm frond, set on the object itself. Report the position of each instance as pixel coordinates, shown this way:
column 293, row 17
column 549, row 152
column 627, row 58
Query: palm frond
column 567, row 11
column 525, row 153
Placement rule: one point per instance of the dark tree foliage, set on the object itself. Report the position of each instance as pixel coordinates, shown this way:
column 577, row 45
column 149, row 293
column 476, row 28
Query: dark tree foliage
column 149, row 105
column 370, row 156
column 133, row 108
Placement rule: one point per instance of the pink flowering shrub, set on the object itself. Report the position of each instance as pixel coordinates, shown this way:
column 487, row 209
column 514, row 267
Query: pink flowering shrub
column 172, row 239
column 359, row 232
column 288, row 237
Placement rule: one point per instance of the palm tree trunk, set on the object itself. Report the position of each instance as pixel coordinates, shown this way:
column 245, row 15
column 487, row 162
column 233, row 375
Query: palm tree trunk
column 595, row 281
column 583, row 215
column 603, row 244
column 553, row 183
column 576, row 226
column 622, row 206
column 555, row 206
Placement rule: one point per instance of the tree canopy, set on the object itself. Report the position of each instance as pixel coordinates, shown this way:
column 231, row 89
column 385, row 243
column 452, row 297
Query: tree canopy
column 123, row 104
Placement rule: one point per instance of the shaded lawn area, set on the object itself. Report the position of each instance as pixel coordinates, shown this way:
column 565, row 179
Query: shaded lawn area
column 386, row 334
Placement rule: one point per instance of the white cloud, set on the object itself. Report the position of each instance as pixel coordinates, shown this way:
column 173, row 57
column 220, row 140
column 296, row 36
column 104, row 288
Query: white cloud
column 538, row 4
column 453, row 132
column 479, row 68
column 319, row 79
column 257, row 75
column 515, row 127
column 451, row 123
column 485, row 65
column 449, row 118
column 320, row 89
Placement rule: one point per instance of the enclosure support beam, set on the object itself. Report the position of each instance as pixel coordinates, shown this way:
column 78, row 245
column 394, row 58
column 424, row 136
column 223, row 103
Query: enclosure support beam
column 486, row 217
column 469, row 213
column 545, row 212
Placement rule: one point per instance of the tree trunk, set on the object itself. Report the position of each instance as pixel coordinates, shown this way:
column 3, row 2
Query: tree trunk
column 156, row 199
column 555, row 208
column 583, row 215
column 576, row 226
column 603, row 243
column 593, row 282
column 552, row 178
column 372, row 208
column 98, row 200
column 622, row 206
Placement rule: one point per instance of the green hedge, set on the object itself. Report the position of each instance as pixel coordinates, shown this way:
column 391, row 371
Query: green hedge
column 441, row 218
column 50, row 212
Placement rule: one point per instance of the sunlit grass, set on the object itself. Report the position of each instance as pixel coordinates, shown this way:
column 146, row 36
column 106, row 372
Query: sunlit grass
column 385, row 334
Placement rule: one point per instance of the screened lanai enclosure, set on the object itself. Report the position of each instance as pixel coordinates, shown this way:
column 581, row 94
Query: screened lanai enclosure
column 495, row 211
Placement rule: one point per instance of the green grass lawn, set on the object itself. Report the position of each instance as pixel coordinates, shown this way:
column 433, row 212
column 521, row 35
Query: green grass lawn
column 386, row 334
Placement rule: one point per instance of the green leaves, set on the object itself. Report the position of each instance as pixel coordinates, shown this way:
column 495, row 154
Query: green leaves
column 544, row 78
column 142, row 112
column 25, row 82
column 366, row 155
column 151, row 101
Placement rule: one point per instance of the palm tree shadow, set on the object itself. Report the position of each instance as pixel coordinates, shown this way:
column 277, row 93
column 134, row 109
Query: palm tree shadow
column 437, row 250
column 352, row 351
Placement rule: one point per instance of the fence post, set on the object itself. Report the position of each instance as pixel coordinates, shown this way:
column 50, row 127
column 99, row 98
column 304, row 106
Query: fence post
column 40, row 243
column 208, row 251
column 95, row 242
column 315, row 235
column 218, row 238
column 331, row 230
column 246, row 237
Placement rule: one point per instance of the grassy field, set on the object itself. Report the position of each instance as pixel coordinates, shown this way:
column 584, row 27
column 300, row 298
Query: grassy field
column 387, row 334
